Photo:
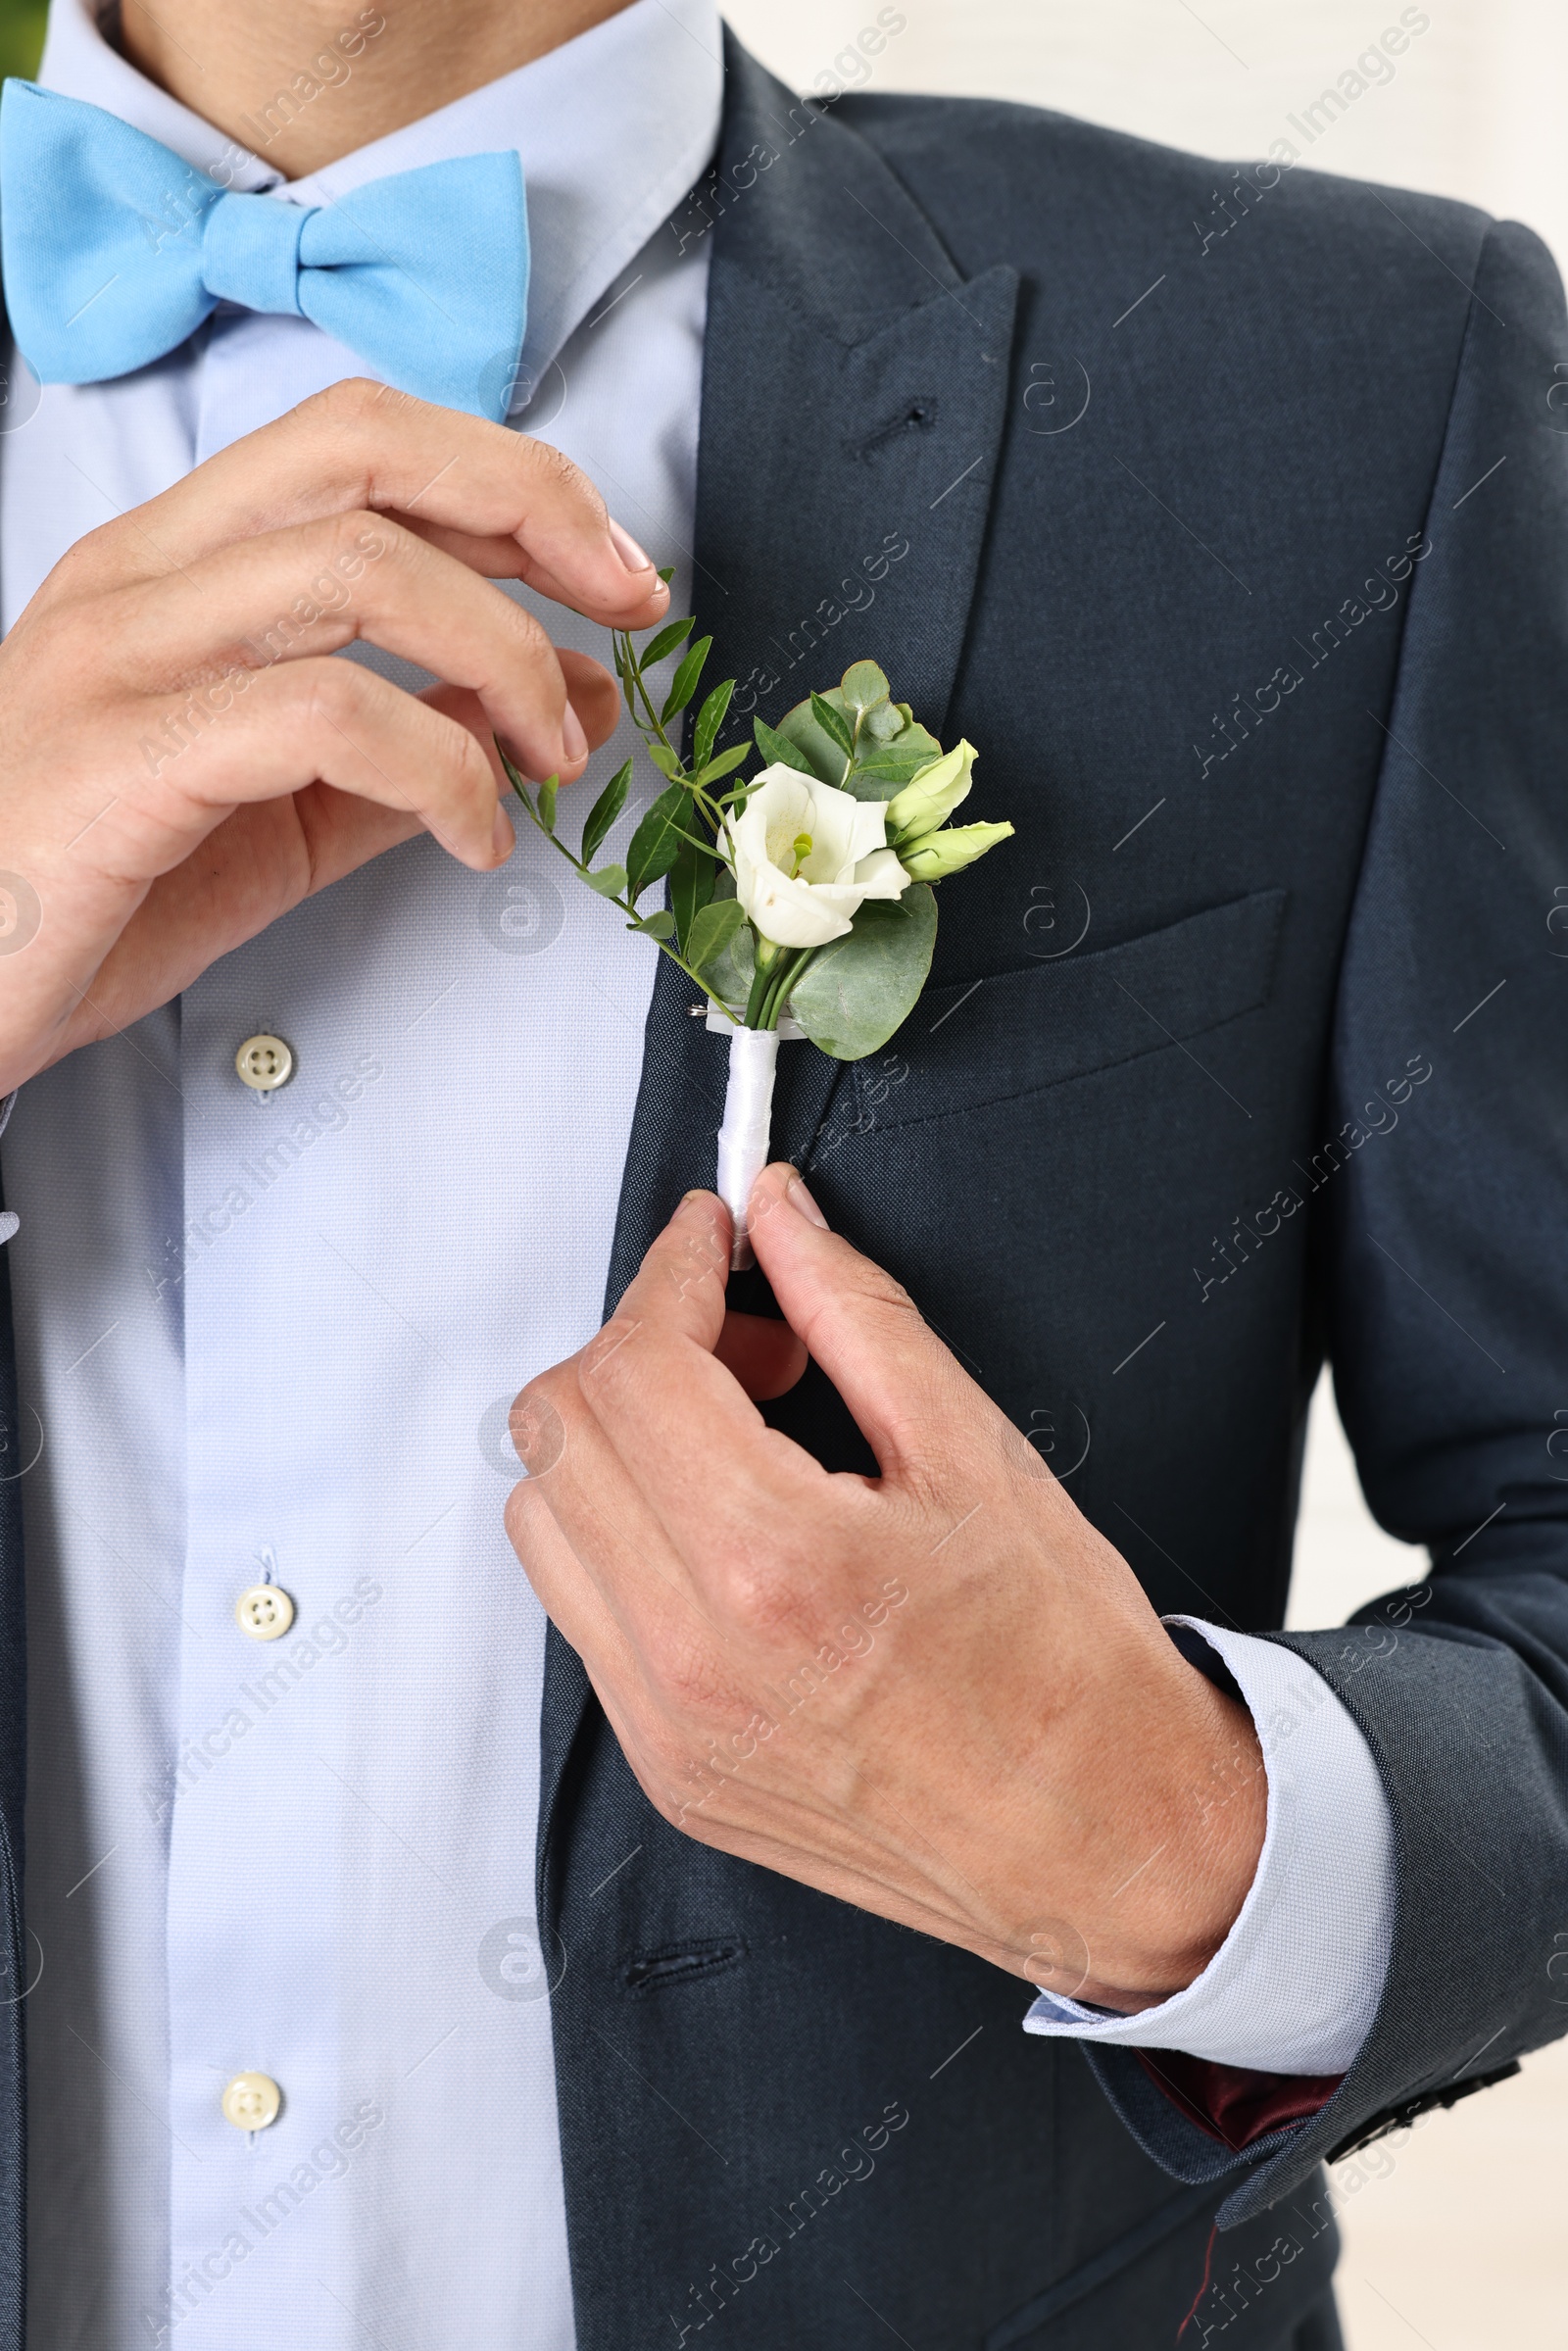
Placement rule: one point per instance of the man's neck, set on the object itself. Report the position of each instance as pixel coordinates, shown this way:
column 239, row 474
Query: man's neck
column 301, row 83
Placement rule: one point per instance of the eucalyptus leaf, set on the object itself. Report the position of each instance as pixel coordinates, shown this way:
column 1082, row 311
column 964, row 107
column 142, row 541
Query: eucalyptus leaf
column 606, row 808
column 883, row 763
column 863, row 686
column 546, row 802
column 668, row 637
column 709, row 718
column 610, row 881
column 780, row 749
column 691, row 887
column 817, row 754
column 734, row 967
column 878, row 768
column 857, row 992
column 711, row 932
column 684, row 685
column 892, row 760
column 656, row 844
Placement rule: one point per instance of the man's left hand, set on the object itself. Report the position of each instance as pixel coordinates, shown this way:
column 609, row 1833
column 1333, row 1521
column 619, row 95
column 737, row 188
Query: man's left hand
column 938, row 1693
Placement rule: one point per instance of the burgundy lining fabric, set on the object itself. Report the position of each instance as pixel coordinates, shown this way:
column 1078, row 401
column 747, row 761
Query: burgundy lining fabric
column 1230, row 2102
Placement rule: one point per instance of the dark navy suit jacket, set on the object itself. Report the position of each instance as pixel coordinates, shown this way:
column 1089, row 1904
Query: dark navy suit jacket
column 1248, row 1052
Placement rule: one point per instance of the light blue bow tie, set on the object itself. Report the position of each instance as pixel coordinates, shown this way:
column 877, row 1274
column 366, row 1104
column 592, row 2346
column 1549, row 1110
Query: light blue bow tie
column 115, row 250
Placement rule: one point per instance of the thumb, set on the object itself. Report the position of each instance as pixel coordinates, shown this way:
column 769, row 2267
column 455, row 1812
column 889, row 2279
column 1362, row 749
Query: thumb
column 907, row 1391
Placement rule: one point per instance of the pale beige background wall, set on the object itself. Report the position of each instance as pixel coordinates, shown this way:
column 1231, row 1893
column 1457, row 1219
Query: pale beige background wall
column 1476, row 108
column 1458, row 2238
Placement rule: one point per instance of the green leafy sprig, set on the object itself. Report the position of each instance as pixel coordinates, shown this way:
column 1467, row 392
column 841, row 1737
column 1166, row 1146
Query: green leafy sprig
column 681, row 834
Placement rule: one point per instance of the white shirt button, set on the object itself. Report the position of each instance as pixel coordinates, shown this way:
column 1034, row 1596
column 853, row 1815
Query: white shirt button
column 265, row 1613
column 251, row 2102
column 263, row 1063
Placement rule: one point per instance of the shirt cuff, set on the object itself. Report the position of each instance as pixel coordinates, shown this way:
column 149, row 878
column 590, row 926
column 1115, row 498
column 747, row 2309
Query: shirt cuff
column 1293, row 1987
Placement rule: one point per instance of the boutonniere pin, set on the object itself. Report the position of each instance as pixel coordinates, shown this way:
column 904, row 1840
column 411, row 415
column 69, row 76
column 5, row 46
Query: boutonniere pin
column 801, row 899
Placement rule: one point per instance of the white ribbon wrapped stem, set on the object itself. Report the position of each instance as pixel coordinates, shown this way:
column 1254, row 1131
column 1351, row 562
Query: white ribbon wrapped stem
column 743, row 1139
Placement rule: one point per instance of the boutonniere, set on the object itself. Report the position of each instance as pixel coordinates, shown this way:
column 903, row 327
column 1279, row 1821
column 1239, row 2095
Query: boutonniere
column 801, row 899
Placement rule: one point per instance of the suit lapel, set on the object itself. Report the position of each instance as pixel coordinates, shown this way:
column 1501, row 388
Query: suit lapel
column 853, row 385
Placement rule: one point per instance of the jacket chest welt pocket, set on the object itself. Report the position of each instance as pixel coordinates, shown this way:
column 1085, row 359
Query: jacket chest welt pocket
column 1013, row 1034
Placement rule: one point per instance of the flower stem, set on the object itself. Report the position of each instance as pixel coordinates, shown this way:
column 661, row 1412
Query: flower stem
column 652, row 729
column 770, row 990
column 767, row 960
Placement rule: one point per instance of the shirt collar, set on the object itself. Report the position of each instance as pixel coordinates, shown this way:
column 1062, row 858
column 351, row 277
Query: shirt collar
column 611, row 128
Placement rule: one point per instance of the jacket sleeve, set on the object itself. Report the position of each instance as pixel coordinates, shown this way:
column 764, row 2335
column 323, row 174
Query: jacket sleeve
column 1443, row 1196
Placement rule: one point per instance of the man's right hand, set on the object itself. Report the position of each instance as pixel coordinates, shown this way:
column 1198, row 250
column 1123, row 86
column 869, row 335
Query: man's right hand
column 181, row 758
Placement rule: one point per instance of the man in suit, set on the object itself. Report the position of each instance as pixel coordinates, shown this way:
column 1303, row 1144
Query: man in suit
column 957, row 1670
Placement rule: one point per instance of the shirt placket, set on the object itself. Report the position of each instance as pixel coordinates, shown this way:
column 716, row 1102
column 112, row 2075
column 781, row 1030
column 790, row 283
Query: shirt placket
column 252, row 1886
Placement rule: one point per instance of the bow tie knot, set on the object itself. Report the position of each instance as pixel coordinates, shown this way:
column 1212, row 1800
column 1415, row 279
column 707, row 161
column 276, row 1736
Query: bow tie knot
column 251, row 252
column 423, row 274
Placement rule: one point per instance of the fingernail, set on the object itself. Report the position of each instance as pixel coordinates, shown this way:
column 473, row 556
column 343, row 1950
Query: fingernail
column 573, row 741
column 502, row 840
column 626, row 547
column 801, row 1201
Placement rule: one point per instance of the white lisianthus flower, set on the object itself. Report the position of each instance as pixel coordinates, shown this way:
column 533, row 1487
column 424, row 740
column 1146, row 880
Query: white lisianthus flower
column 807, row 855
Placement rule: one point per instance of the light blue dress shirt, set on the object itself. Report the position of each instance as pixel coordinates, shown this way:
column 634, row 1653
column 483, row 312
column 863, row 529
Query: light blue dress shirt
column 280, row 1338
column 274, row 1339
